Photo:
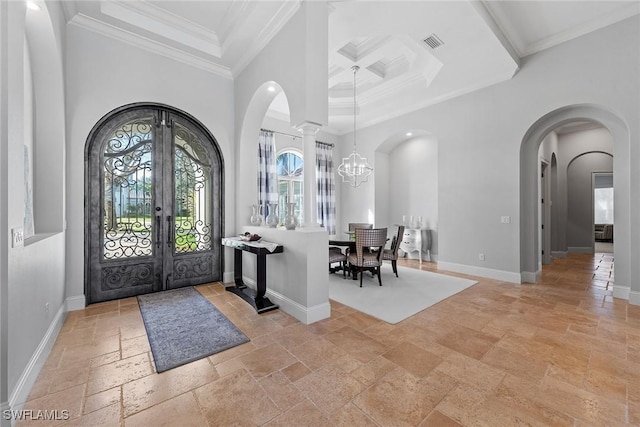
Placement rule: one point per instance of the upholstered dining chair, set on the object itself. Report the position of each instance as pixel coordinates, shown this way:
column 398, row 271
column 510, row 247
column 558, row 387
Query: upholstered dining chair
column 369, row 249
column 391, row 254
column 354, row 225
column 336, row 255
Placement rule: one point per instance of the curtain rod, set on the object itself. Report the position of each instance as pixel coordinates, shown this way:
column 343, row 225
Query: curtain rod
column 294, row 136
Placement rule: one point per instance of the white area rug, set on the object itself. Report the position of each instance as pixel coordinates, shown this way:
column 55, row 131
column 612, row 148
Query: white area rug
column 398, row 297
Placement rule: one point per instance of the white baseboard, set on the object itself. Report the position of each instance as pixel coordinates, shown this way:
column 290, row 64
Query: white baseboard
column 530, row 276
column 559, row 254
column 30, row 374
column 306, row 315
column 634, row 297
column 75, row 303
column 622, row 292
column 489, row 273
column 580, row 249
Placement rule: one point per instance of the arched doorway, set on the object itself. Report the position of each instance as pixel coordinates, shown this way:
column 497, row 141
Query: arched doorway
column 153, row 211
column 530, row 258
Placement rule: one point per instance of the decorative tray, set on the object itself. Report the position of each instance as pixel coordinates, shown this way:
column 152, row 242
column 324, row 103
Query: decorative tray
column 248, row 237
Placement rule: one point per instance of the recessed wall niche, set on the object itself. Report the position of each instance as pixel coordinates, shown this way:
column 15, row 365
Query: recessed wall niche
column 44, row 126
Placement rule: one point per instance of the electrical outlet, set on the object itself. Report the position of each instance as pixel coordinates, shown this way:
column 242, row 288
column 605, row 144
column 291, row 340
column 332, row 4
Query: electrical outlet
column 17, row 237
column 46, row 307
column 505, row 219
column 481, row 257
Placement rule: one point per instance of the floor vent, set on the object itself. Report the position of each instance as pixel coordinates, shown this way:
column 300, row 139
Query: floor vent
column 433, row 41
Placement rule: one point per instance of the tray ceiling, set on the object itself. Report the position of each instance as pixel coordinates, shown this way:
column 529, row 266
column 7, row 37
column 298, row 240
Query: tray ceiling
column 411, row 54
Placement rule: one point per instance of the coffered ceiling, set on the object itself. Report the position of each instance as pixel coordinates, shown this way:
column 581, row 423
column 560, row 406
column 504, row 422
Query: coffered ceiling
column 411, row 54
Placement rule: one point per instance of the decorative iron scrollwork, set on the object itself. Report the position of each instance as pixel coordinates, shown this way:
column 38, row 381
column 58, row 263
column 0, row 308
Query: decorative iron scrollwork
column 192, row 267
column 123, row 276
column 192, row 180
column 127, row 175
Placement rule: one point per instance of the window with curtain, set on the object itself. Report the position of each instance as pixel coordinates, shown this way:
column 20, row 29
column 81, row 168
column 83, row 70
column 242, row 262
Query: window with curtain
column 290, row 167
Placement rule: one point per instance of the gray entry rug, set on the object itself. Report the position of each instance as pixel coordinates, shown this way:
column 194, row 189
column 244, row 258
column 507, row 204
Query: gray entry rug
column 398, row 297
column 183, row 326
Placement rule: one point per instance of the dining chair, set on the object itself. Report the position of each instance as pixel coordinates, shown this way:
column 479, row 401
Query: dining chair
column 369, row 249
column 336, row 255
column 354, row 225
column 391, row 254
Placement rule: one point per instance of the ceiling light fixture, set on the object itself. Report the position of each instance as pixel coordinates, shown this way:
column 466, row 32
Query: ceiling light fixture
column 409, row 134
column 33, row 6
column 354, row 169
column 271, row 89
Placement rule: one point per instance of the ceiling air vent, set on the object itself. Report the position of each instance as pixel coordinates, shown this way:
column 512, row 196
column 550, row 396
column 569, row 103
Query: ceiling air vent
column 433, row 41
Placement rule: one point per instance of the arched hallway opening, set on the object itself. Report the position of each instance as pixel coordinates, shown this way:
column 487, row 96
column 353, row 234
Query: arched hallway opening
column 531, row 212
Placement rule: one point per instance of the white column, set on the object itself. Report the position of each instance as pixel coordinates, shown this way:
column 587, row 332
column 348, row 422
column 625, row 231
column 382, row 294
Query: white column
column 309, row 131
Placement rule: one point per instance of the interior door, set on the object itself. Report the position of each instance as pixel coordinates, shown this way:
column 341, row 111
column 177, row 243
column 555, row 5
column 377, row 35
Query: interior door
column 154, row 200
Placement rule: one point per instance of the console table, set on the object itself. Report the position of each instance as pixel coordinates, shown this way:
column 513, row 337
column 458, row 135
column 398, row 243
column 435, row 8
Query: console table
column 261, row 249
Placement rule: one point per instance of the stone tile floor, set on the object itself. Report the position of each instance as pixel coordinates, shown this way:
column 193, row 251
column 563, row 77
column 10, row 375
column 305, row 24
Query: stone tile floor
column 560, row 352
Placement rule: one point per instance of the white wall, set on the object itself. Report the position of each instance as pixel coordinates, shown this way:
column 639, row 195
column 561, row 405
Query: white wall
column 32, row 277
column 104, row 74
column 479, row 146
column 4, row 202
column 414, row 170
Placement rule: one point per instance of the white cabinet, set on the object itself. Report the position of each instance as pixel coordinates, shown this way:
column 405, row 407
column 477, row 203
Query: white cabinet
column 412, row 241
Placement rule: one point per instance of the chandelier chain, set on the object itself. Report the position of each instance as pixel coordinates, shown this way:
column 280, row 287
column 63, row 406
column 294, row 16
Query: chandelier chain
column 355, row 69
column 354, row 168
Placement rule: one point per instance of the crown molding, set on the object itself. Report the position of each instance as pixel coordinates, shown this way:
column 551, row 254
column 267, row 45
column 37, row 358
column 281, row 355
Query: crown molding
column 237, row 9
column 110, row 31
column 154, row 19
column 432, row 101
column 269, row 30
column 69, row 9
column 494, row 25
column 391, row 87
column 595, row 24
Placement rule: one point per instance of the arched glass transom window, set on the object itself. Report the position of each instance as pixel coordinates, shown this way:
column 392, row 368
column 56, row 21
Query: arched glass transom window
column 290, row 167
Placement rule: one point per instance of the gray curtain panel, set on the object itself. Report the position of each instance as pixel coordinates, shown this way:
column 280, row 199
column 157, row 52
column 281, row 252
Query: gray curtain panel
column 267, row 176
column 326, row 187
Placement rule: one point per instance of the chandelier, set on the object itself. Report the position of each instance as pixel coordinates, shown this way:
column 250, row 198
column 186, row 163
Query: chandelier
column 354, row 169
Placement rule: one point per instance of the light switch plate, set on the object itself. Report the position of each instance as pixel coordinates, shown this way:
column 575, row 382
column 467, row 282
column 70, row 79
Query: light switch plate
column 17, row 237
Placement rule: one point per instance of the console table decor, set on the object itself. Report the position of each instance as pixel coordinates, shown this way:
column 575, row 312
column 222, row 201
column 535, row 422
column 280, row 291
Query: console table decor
column 261, row 249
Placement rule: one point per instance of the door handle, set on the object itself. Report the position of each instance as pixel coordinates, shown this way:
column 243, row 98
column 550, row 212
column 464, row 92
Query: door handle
column 169, row 233
column 158, row 231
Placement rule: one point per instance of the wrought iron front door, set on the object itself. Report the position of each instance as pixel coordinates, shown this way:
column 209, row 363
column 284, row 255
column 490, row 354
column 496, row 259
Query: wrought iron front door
column 154, row 210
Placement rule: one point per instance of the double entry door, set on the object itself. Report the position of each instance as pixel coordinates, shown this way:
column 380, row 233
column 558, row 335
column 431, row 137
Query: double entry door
column 154, row 204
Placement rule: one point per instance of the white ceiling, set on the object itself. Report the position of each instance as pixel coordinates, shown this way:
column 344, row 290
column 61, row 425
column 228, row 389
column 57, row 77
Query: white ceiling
column 482, row 42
